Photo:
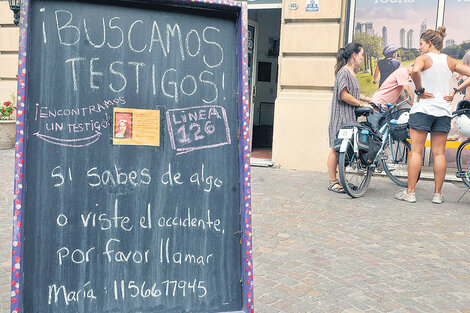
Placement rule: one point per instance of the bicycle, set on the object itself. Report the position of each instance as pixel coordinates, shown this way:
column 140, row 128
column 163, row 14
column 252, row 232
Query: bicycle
column 463, row 126
column 391, row 157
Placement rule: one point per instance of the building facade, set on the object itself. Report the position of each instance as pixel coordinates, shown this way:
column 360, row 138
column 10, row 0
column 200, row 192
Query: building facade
column 384, row 35
column 9, row 34
column 409, row 39
column 293, row 48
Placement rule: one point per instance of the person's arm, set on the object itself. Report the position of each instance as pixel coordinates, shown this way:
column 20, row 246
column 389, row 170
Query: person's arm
column 410, row 93
column 466, row 59
column 464, row 70
column 376, row 74
column 349, row 99
column 365, row 98
column 416, row 76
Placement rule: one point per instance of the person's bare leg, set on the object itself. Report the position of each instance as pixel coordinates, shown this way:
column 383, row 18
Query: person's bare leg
column 332, row 165
column 418, row 139
column 438, row 147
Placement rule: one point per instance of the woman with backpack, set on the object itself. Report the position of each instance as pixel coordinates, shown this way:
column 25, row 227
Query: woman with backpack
column 431, row 111
column 346, row 96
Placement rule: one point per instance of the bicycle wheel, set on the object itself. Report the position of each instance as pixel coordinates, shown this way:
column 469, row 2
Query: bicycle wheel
column 353, row 176
column 463, row 161
column 395, row 162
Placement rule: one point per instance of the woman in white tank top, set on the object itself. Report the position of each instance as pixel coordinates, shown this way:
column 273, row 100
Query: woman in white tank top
column 431, row 111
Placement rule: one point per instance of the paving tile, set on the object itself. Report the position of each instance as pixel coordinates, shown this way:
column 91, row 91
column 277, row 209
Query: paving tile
column 372, row 254
column 316, row 251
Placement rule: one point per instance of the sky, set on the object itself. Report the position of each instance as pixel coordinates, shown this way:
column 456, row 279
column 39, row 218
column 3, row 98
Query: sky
column 395, row 16
column 456, row 15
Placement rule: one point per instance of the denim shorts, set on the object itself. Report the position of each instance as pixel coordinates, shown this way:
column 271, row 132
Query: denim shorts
column 430, row 123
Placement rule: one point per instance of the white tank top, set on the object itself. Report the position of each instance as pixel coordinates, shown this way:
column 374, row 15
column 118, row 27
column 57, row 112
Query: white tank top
column 435, row 80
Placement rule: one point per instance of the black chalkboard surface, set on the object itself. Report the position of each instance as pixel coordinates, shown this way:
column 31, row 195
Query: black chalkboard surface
column 125, row 226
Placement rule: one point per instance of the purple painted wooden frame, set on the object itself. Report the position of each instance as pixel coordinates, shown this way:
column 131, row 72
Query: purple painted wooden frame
column 244, row 154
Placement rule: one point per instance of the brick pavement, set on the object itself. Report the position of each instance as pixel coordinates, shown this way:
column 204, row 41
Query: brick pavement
column 6, row 225
column 316, row 251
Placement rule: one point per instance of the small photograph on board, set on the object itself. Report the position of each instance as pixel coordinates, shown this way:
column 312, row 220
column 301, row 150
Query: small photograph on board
column 136, row 127
column 123, row 125
column 273, row 47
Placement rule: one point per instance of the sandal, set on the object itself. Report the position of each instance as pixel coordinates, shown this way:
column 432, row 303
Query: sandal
column 335, row 186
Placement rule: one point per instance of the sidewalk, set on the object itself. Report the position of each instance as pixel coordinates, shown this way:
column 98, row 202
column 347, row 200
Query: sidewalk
column 6, row 226
column 316, row 251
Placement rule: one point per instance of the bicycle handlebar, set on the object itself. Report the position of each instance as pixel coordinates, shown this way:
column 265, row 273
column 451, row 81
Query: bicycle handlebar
column 392, row 106
column 460, row 112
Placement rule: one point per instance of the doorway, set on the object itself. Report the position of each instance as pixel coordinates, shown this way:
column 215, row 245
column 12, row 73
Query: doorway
column 263, row 52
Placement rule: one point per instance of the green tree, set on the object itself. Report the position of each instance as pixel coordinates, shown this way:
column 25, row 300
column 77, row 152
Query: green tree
column 457, row 51
column 452, row 51
column 408, row 54
column 373, row 46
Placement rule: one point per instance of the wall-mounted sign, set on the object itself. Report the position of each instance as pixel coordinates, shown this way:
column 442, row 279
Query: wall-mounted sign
column 312, row 6
column 293, row 6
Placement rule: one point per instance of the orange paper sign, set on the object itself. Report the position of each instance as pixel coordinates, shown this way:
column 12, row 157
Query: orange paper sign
column 136, row 127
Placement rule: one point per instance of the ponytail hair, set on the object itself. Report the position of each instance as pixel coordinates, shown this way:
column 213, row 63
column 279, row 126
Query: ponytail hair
column 344, row 54
column 436, row 37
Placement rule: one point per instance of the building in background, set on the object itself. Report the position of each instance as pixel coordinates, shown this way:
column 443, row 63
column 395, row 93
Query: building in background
column 402, row 37
column 450, row 42
column 409, row 39
column 358, row 28
column 423, row 28
column 367, row 28
column 384, row 35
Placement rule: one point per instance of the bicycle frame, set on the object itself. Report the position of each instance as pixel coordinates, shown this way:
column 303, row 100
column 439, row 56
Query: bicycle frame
column 386, row 138
column 355, row 180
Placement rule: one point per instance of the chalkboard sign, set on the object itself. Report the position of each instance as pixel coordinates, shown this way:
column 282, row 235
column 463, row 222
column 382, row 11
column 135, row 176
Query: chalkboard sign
column 132, row 186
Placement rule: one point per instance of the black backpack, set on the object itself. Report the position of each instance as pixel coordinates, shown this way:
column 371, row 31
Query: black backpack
column 368, row 150
column 338, row 141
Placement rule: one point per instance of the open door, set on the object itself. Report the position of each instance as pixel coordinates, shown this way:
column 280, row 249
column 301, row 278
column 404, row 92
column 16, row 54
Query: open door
column 264, row 25
column 252, row 62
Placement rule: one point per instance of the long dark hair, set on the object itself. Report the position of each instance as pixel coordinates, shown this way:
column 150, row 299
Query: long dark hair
column 344, row 54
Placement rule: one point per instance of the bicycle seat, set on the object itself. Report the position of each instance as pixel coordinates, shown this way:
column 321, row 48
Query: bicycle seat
column 363, row 110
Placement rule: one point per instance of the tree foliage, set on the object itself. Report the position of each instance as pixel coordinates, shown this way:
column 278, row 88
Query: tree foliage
column 373, row 44
column 457, row 51
column 408, row 54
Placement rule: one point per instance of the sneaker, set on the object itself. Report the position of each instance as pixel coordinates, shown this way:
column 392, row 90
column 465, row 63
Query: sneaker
column 405, row 196
column 437, row 198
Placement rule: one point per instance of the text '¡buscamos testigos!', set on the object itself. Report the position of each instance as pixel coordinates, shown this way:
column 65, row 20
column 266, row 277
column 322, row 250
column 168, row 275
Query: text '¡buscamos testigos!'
column 166, row 44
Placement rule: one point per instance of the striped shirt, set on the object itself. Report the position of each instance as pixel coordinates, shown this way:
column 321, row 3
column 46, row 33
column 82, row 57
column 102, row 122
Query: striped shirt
column 342, row 112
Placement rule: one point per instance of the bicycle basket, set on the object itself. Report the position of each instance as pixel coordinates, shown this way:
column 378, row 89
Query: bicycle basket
column 399, row 132
column 395, row 115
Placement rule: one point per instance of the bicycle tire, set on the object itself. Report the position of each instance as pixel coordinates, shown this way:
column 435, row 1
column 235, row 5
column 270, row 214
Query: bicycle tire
column 461, row 163
column 397, row 168
column 354, row 179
